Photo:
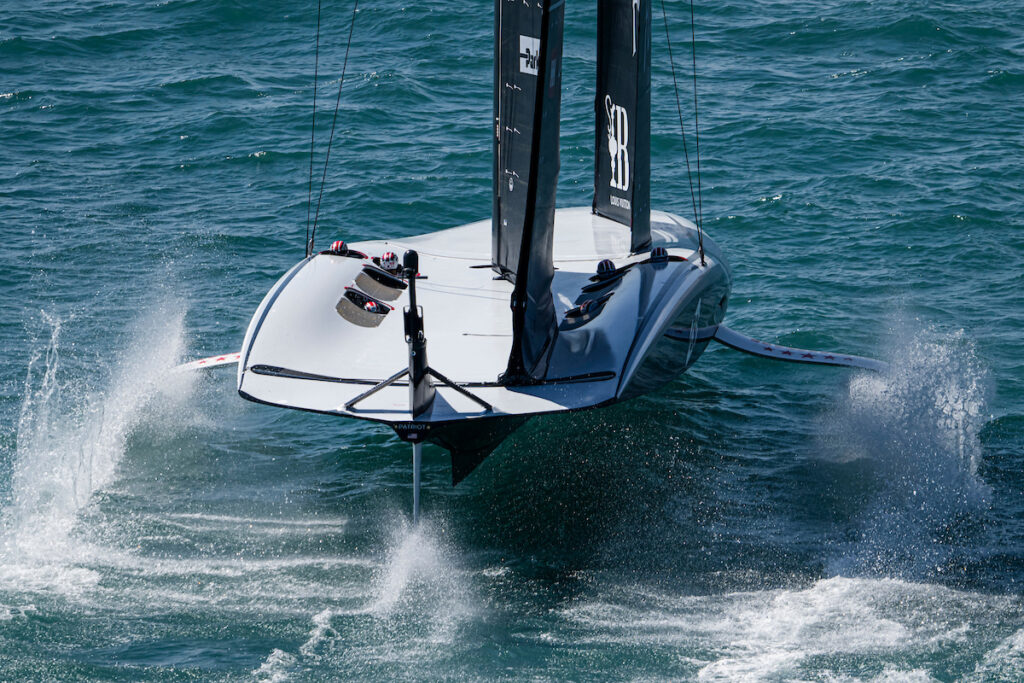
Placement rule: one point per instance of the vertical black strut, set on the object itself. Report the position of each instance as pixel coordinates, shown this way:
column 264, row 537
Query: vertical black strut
column 421, row 389
column 421, row 386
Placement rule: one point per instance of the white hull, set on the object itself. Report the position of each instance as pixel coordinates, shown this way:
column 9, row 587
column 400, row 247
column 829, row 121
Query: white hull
column 300, row 352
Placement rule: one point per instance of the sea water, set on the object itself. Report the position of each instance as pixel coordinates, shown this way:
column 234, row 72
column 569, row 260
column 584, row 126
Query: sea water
column 861, row 166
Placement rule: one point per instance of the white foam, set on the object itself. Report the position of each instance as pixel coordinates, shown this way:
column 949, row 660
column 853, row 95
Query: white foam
column 262, row 525
column 19, row 613
column 322, row 631
column 1005, row 662
column 775, row 633
column 283, row 585
column 277, row 668
column 337, row 522
column 495, row 572
column 918, row 427
column 36, row 576
column 69, row 444
column 771, row 634
column 889, row 675
column 234, row 567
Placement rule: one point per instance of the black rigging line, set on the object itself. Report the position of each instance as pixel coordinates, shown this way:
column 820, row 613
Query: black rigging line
column 312, row 133
column 697, row 214
column 334, row 122
column 696, row 129
column 679, row 110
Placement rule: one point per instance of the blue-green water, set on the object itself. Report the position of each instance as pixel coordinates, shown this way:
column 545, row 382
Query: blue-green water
column 862, row 168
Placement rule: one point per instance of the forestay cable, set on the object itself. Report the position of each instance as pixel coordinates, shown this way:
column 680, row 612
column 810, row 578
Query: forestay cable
column 312, row 133
column 698, row 213
column 696, row 133
column 334, row 123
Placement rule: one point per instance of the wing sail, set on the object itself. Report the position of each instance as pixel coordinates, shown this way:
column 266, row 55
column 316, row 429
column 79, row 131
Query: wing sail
column 527, row 101
column 622, row 163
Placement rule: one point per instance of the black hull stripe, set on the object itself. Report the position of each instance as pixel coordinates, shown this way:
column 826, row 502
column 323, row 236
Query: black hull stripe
column 274, row 371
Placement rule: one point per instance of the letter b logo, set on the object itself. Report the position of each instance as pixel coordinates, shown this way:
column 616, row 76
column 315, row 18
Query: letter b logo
column 618, row 141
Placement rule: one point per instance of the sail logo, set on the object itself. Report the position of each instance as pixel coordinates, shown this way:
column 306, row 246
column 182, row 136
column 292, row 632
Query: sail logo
column 529, row 54
column 618, row 140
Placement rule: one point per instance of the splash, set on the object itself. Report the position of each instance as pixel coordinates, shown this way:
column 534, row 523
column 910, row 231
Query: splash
column 418, row 565
column 418, row 600
column 71, row 438
column 913, row 432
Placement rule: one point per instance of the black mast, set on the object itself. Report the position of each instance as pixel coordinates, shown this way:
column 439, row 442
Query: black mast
column 527, row 98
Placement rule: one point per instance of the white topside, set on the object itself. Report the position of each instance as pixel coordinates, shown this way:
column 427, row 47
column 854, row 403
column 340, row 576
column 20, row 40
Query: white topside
column 467, row 321
column 579, row 236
